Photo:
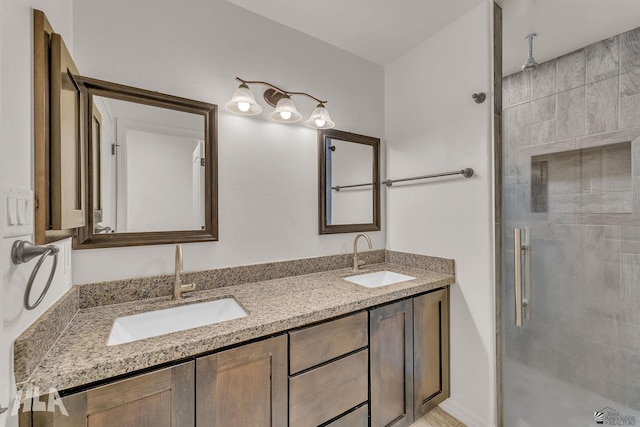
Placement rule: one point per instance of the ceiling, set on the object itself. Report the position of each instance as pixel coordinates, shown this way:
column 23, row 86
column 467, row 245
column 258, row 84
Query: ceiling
column 377, row 30
column 383, row 30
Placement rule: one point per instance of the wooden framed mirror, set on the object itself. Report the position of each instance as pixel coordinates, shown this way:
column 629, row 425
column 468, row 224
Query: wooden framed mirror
column 348, row 182
column 151, row 167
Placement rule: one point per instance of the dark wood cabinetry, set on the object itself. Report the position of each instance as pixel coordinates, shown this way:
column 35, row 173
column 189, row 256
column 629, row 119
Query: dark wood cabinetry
column 430, row 350
column 161, row 398
column 385, row 367
column 329, row 365
column 321, row 394
column 317, row 344
column 409, row 344
column 244, row 386
column 391, row 346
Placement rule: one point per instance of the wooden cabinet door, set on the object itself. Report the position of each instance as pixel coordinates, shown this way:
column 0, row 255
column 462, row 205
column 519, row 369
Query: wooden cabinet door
column 244, row 386
column 431, row 350
column 161, row 398
column 391, row 364
column 68, row 153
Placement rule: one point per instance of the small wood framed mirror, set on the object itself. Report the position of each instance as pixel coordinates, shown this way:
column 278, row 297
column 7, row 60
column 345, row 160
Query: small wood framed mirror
column 151, row 167
column 348, row 182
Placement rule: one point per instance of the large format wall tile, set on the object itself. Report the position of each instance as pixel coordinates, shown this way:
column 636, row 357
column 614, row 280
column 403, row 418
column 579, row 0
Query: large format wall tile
column 630, row 51
column 516, row 133
column 630, row 83
column 516, row 89
column 630, row 99
column 543, row 80
column 571, row 113
column 602, row 106
column 543, row 109
column 597, row 203
column 629, row 111
column 630, row 239
column 518, row 125
column 630, row 290
column 571, row 70
column 603, row 60
column 543, row 132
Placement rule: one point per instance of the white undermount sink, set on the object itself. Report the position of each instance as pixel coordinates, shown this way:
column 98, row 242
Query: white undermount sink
column 154, row 323
column 378, row 278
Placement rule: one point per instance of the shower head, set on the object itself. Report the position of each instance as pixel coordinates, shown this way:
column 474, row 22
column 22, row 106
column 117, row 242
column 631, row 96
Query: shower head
column 530, row 63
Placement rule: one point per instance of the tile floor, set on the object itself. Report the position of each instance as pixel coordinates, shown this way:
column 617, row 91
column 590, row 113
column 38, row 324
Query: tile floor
column 437, row 418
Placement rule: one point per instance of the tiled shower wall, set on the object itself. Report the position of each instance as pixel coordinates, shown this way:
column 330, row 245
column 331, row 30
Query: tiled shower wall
column 581, row 113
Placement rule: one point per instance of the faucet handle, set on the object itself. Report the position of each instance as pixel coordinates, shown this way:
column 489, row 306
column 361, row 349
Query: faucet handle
column 189, row 287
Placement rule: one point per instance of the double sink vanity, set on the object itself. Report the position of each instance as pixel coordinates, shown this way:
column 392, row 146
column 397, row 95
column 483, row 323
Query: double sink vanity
column 308, row 342
column 332, row 347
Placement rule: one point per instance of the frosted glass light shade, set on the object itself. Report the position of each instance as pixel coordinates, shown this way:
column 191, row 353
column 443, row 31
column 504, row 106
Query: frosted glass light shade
column 243, row 102
column 285, row 111
column 320, row 119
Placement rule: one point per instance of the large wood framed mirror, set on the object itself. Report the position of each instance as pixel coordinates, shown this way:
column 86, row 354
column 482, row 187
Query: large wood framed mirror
column 116, row 165
column 348, row 182
column 151, row 167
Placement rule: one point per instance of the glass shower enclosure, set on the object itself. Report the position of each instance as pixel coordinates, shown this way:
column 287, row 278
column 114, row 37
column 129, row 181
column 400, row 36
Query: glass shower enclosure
column 570, row 297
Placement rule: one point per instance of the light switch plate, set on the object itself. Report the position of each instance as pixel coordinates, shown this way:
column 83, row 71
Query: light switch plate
column 17, row 205
column 12, row 211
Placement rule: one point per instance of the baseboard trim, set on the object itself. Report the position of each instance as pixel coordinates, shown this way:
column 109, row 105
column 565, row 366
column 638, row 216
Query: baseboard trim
column 458, row 411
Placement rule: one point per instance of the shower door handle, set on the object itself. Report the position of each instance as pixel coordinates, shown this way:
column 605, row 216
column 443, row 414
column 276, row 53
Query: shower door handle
column 520, row 248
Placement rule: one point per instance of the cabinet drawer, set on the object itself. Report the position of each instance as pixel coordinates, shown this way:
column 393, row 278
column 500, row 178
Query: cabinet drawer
column 357, row 418
column 312, row 346
column 321, row 394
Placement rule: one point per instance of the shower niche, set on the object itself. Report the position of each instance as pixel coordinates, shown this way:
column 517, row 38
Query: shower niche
column 595, row 180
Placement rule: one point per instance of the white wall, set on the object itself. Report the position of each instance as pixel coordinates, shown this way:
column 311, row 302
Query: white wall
column 16, row 169
column 433, row 125
column 268, row 171
column 269, row 196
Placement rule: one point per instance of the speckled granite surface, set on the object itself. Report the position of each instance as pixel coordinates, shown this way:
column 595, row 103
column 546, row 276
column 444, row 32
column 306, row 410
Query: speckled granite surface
column 440, row 265
column 119, row 291
column 30, row 348
column 80, row 356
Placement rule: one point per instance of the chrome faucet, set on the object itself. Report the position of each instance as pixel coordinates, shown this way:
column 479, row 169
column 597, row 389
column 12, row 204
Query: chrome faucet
column 356, row 263
column 178, row 287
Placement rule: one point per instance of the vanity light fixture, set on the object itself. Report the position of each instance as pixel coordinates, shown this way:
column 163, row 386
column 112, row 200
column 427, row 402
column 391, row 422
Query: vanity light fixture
column 243, row 102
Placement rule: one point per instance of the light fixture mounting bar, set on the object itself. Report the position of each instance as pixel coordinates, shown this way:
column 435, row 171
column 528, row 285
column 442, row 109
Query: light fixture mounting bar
column 288, row 93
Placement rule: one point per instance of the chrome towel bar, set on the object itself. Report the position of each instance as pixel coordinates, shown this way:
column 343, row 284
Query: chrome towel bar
column 23, row 251
column 341, row 187
column 467, row 173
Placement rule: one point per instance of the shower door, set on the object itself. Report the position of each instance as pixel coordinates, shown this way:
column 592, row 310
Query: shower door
column 570, row 297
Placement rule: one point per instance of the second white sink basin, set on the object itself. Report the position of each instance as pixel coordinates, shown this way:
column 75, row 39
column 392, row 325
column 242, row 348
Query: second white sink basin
column 378, row 278
column 155, row 323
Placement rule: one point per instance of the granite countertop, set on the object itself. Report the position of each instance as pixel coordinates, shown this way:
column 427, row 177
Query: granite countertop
column 80, row 356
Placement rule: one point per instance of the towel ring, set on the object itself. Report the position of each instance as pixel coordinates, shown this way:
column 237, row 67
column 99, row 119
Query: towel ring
column 23, row 251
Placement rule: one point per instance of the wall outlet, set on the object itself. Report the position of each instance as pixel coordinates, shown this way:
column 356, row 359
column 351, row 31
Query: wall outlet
column 17, row 207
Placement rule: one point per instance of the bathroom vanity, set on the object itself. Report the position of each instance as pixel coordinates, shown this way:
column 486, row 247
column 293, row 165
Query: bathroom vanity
column 314, row 350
